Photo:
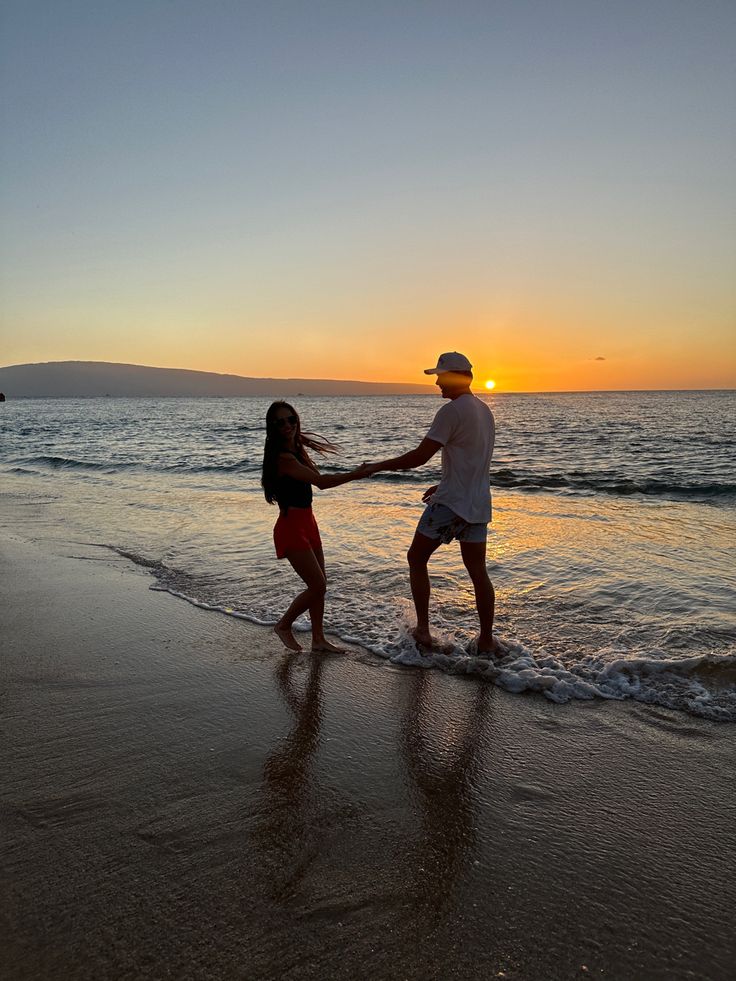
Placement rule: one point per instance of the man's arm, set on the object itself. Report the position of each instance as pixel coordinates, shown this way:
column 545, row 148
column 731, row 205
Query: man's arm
column 408, row 461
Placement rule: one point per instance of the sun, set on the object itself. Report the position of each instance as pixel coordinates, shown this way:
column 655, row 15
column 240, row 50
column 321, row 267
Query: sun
column 490, row 384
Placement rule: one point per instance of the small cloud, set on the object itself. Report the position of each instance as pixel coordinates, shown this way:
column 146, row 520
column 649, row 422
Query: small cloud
column 599, row 358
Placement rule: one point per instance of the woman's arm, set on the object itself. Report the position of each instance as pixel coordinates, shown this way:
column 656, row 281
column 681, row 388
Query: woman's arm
column 289, row 466
column 308, row 461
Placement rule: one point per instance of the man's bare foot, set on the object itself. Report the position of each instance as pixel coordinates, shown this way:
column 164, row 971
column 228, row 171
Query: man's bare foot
column 325, row 647
column 429, row 644
column 287, row 638
column 424, row 639
column 488, row 648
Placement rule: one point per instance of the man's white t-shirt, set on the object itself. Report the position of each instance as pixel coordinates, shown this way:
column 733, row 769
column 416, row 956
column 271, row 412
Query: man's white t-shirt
column 467, row 431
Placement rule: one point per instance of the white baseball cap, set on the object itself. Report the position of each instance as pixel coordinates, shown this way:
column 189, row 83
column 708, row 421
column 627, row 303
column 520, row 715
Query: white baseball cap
column 450, row 361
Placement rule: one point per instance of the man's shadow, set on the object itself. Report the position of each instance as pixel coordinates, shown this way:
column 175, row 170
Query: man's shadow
column 442, row 765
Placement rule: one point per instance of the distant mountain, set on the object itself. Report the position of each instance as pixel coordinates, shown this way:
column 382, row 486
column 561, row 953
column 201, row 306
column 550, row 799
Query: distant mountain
column 89, row 379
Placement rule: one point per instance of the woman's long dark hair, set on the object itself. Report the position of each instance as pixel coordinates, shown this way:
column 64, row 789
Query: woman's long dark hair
column 274, row 446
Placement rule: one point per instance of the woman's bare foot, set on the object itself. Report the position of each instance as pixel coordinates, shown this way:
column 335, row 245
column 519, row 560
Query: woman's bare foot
column 287, row 638
column 325, row 647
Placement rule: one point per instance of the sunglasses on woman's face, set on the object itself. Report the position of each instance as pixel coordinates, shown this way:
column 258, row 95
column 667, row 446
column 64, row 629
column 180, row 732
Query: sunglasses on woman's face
column 286, row 420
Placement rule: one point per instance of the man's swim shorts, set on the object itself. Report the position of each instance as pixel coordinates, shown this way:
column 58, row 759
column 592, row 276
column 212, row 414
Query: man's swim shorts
column 439, row 522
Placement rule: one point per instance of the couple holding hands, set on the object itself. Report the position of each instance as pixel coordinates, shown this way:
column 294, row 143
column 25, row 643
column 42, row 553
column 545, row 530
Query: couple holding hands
column 459, row 507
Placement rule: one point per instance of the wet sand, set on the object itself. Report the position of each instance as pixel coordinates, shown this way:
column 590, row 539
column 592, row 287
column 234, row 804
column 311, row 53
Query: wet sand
column 181, row 798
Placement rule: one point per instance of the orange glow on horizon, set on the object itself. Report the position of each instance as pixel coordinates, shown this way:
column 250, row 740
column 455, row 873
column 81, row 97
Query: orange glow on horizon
column 517, row 351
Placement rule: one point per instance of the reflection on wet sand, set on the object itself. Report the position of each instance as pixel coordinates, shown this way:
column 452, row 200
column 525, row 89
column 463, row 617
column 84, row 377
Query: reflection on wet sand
column 290, row 801
column 307, row 821
column 442, row 765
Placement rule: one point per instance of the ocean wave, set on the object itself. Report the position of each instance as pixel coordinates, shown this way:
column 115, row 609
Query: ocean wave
column 615, row 484
column 155, row 565
column 70, row 463
column 586, row 483
column 610, row 483
column 239, row 466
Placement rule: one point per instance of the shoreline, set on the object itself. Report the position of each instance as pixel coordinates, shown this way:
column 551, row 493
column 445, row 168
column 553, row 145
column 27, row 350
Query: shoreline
column 184, row 798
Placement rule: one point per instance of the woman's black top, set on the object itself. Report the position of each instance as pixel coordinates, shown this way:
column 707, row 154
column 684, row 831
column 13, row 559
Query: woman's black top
column 292, row 493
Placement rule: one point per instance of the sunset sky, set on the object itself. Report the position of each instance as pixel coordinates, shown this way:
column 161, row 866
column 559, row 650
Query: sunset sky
column 346, row 189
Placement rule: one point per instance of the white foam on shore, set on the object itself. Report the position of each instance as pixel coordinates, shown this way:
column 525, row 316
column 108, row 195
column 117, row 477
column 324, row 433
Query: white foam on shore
column 702, row 685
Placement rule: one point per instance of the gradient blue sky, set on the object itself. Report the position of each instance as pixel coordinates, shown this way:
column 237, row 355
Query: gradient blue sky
column 346, row 189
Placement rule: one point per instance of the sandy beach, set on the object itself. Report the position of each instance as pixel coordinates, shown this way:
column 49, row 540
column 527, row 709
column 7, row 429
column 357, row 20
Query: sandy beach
column 183, row 799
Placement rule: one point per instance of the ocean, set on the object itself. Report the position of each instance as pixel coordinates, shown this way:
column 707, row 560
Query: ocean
column 611, row 547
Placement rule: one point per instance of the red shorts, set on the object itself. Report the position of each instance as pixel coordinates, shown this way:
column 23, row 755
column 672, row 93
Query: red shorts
column 295, row 531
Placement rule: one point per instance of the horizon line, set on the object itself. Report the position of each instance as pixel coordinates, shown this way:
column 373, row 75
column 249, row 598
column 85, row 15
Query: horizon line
column 355, row 395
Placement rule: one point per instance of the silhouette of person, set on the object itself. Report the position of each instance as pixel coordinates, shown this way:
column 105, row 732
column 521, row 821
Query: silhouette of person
column 287, row 478
column 459, row 507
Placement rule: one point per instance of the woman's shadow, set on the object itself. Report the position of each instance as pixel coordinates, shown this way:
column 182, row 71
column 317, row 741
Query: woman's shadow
column 290, row 803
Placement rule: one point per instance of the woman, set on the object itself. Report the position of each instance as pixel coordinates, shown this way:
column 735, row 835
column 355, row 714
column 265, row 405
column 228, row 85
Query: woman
column 287, row 479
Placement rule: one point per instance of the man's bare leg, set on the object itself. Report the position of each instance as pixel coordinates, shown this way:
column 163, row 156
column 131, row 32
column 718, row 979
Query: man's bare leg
column 474, row 558
column 418, row 556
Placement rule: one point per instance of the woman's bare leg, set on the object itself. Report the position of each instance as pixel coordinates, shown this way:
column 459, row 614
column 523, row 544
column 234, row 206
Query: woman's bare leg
column 307, row 566
column 287, row 638
column 319, row 641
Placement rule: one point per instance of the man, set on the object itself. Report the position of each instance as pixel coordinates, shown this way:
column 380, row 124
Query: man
column 460, row 505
